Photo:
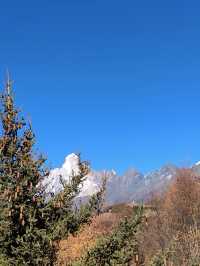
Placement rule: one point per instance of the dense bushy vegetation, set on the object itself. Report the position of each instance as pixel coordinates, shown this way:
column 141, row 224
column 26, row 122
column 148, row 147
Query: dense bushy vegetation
column 118, row 248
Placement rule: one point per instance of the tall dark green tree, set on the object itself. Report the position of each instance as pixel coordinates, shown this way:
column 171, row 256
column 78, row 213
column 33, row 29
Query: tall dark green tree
column 23, row 240
column 30, row 227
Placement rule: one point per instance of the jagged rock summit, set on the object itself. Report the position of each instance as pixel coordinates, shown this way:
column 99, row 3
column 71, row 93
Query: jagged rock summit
column 53, row 183
column 132, row 185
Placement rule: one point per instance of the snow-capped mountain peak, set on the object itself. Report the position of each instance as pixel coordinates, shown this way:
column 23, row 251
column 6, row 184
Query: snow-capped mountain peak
column 71, row 164
column 132, row 185
column 70, row 167
column 52, row 183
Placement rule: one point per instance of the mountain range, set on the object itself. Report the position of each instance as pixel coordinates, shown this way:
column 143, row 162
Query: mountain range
column 132, row 186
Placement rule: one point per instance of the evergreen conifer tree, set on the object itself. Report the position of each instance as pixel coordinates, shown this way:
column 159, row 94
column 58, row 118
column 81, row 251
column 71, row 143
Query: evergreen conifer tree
column 31, row 227
column 23, row 240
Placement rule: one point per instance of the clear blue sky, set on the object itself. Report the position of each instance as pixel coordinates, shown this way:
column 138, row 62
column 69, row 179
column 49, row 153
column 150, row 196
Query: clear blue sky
column 116, row 80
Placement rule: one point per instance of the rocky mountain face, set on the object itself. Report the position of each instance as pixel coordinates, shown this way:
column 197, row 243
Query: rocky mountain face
column 134, row 186
column 131, row 186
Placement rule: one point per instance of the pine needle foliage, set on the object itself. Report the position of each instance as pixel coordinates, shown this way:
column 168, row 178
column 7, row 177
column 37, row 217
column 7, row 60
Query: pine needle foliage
column 21, row 238
column 30, row 226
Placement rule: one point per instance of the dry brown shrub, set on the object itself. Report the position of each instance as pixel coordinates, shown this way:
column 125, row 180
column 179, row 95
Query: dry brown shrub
column 185, row 248
column 75, row 246
column 175, row 213
column 182, row 202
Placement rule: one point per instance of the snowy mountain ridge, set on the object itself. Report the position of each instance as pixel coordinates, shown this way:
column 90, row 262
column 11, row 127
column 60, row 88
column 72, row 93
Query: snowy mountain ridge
column 132, row 185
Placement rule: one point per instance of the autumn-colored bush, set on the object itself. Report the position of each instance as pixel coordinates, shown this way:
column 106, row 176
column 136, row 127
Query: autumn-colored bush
column 175, row 214
column 185, row 248
column 75, row 246
column 182, row 201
